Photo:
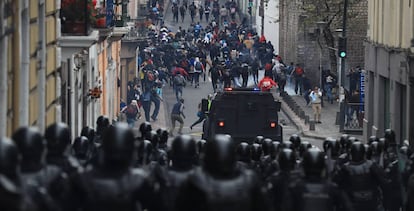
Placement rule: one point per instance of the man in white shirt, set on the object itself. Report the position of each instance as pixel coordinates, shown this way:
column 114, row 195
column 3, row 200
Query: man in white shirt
column 315, row 97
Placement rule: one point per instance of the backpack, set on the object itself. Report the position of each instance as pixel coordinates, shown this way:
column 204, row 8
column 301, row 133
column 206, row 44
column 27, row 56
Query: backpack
column 198, row 66
column 131, row 111
column 299, row 71
column 179, row 80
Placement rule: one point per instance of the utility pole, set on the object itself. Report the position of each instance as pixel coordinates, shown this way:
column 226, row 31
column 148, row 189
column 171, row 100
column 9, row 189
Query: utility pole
column 342, row 73
column 261, row 14
column 344, row 20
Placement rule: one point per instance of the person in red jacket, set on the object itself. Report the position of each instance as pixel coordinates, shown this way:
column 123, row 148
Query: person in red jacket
column 266, row 84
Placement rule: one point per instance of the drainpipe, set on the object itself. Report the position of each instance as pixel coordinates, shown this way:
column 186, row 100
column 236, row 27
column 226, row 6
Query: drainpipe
column 25, row 62
column 42, row 67
column 3, row 74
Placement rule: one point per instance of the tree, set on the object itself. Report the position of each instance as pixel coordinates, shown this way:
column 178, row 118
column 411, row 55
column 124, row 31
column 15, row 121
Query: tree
column 331, row 12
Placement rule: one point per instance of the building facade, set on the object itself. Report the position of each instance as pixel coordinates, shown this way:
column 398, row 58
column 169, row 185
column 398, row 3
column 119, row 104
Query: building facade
column 91, row 62
column 302, row 42
column 389, row 65
column 30, row 66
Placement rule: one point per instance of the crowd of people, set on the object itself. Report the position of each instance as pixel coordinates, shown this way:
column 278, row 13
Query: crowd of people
column 112, row 169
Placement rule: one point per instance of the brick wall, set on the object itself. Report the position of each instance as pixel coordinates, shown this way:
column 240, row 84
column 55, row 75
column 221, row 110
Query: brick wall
column 298, row 41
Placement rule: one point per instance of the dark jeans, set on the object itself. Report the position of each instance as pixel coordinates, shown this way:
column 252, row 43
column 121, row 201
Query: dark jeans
column 146, row 105
column 178, row 92
column 298, row 85
column 199, row 120
column 196, row 77
column 157, row 103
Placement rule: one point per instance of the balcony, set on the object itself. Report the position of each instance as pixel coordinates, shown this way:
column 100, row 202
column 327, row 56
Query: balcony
column 76, row 17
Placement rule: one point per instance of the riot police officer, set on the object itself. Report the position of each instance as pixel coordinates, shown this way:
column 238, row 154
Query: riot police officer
column 393, row 192
column 58, row 140
column 102, row 123
column 183, row 155
column 278, row 183
column 219, row 184
column 81, row 150
column 114, row 185
column 362, row 180
column 11, row 197
column 35, row 174
column 244, row 155
column 314, row 192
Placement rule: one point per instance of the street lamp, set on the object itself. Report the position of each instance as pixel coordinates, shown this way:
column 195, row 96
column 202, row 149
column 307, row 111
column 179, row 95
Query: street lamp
column 321, row 26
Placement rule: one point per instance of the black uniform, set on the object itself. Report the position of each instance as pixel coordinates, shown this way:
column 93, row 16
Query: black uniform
column 313, row 192
column 219, row 184
column 114, row 185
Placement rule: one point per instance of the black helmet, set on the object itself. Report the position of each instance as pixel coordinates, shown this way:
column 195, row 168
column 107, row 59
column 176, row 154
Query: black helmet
column 57, row 138
column 9, row 158
column 275, row 149
column 256, row 152
column 266, row 145
column 405, row 150
column 101, row 124
column 118, row 146
column 376, row 148
column 343, row 140
column 350, row 141
column 304, row 146
column 357, row 152
column 144, row 128
column 372, row 139
column 220, row 156
column 183, row 152
column 88, row 133
column 333, row 145
column 80, row 147
column 288, row 145
column 154, row 138
column 313, row 163
column 258, row 140
column 383, row 143
column 244, row 152
column 163, row 135
column 389, row 136
column 30, row 143
column 295, row 139
column 287, row 160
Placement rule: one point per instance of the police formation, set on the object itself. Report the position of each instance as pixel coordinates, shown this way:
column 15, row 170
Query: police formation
column 110, row 169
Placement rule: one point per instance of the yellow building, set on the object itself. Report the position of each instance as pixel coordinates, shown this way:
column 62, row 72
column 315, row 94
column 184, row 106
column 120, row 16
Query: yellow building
column 29, row 67
column 91, row 60
column 389, row 64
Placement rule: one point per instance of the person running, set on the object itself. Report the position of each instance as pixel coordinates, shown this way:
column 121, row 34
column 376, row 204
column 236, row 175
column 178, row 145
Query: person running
column 179, row 83
column 201, row 117
column 266, row 84
column 177, row 115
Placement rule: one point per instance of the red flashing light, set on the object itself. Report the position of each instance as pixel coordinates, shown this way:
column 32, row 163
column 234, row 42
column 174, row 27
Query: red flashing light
column 272, row 124
column 221, row 124
column 228, row 89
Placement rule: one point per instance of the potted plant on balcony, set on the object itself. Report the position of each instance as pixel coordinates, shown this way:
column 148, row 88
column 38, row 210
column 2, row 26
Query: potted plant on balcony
column 76, row 15
column 100, row 18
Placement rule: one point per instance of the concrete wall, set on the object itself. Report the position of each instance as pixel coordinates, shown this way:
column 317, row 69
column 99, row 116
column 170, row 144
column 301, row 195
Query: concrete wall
column 391, row 23
column 389, row 65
